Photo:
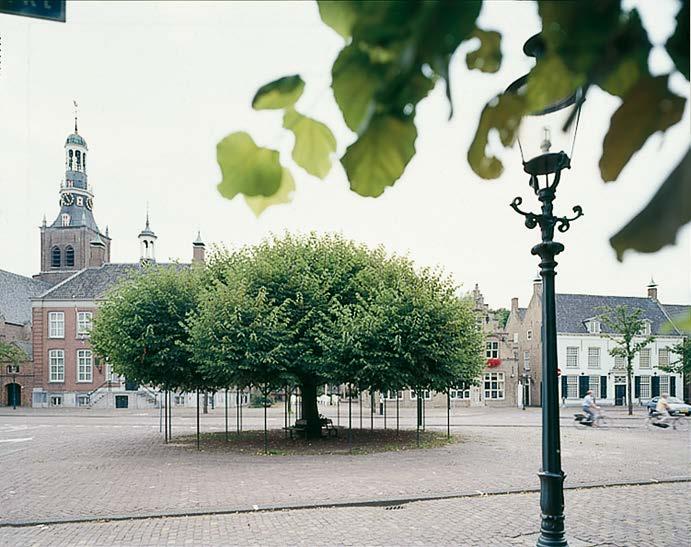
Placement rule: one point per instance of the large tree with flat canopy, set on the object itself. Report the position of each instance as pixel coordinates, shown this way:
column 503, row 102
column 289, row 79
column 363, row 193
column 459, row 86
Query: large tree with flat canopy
column 326, row 310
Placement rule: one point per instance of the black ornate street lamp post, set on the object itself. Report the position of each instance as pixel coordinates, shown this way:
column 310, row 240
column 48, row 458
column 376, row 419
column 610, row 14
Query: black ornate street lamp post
column 544, row 168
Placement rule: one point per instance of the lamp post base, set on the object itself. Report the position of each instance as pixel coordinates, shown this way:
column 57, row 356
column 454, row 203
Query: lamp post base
column 552, row 532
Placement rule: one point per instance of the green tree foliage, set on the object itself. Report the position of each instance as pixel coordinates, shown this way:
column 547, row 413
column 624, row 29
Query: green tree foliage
column 395, row 52
column 680, row 360
column 625, row 326
column 501, row 315
column 317, row 310
column 140, row 328
column 11, row 354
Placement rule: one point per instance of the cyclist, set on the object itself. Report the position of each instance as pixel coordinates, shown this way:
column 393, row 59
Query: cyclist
column 589, row 406
column 662, row 408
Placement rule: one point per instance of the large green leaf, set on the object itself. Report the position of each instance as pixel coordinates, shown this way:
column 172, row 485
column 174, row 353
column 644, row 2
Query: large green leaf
column 355, row 83
column 247, row 168
column 314, row 143
column 678, row 44
column 340, row 15
column 284, row 194
column 648, row 107
column 503, row 114
column 550, row 81
column 281, row 93
column 487, row 57
column 658, row 223
column 379, row 157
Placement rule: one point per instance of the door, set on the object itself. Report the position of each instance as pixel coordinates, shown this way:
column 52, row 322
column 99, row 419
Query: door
column 121, row 401
column 619, row 395
column 14, row 394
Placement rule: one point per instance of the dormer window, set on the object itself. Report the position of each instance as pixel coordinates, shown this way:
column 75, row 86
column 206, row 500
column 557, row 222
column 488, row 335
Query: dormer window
column 645, row 331
column 65, row 219
column 594, row 326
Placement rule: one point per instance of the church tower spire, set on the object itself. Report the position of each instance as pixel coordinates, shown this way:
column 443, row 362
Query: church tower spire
column 147, row 240
column 66, row 242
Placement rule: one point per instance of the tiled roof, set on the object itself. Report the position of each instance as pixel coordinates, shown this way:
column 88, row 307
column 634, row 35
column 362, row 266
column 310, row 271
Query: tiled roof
column 15, row 293
column 521, row 313
column 574, row 309
column 92, row 283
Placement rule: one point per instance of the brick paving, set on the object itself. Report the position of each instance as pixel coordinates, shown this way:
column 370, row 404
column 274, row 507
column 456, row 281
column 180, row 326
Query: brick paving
column 72, row 465
column 653, row 515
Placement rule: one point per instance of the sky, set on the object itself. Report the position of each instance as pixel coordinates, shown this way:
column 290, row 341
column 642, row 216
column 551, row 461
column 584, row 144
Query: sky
column 159, row 84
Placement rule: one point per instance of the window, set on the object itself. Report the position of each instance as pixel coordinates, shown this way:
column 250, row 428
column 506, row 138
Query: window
column 663, row 357
column 593, row 357
column 65, row 219
column 85, row 367
column 494, row 385
column 619, row 362
column 644, row 358
column 56, row 400
column 594, row 326
column 69, row 256
column 392, row 395
column 56, row 324
column 571, row 387
column 82, row 400
column 427, row 395
column 461, row 393
column 664, row 384
column 492, row 349
column 529, row 335
column 645, row 387
column 526, row 360
column 572, row 357
column 645, row 330
column 84, row 319
column 594, row 385
column 56, row 362
column 515, row 338
column 55, row 257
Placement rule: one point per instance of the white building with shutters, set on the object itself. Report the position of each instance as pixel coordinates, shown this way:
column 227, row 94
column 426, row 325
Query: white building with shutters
column 583, row 347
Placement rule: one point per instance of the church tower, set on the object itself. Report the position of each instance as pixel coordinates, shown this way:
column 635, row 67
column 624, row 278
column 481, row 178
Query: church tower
column 67, row 245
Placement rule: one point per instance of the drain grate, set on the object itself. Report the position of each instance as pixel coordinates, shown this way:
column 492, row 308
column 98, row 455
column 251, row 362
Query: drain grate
column 393, row 507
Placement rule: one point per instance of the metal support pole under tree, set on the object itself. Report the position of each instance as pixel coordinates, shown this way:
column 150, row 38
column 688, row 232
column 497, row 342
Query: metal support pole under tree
column 160, row 411
column 225, row 401
column 371, row 411
column 266, row 435
column 237, row 410
column 359, row 397
column 350, row 417
column 170, row 415
column 424, row 413
column 165, row 421
column 242, row 400
column 198, row 419
column 397, row 417
column 448, row 413
column 385, row 412
column 338, row 411
column 418, row 421
column 286, row 411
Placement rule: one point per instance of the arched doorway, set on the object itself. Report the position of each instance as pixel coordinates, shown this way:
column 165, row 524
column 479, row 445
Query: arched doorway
column 14, row 394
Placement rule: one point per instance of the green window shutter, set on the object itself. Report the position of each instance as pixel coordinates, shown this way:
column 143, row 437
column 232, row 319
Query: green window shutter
column 564, row 389
column 637, row 386
column 583, row 383
column 655, row 386
column 673, row 386
column 603, row 387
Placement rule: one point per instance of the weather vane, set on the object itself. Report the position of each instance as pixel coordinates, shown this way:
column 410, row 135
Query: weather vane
column 75, row 114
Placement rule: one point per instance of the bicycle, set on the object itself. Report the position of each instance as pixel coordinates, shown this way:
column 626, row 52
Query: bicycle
column 583, row 419
column 677, row 421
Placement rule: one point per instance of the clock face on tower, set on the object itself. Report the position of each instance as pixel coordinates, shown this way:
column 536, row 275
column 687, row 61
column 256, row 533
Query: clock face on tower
column 89, row 204
column 66, row 199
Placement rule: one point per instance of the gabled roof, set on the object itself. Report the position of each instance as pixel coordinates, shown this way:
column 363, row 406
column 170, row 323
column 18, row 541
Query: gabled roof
column 521, row 313
column 15, row 294
column 92, row 283
column 573, row 309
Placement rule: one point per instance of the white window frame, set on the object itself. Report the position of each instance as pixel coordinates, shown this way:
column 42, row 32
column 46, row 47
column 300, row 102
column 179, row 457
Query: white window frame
column 65, row 218
column 461, row 393
column 664, row 384
column 427, row 395
column 526, row 360
column 572, row 356
column 529, row 335
column 83, row 400
column 85, row 366
column 492, row 349
column 571, row 387
column 84, row 323
column 56, row 365
column 594, row 385
column 515, row 338
column 387, row 395
column 663, row 357
column 644, row 361
column 496, row 390
column 645, row 387
column 56, row 324
column 594, row 357
column 645, row 331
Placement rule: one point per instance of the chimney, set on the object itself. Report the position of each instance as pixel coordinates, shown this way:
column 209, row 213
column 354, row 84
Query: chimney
column 198, row 249
column 97, row 252
column 652, row 289
column 537, row 286
column 514, row 304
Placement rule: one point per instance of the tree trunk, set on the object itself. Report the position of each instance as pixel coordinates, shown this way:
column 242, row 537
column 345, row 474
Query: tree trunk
column 629, row 389
column 206, row 402
column 310, row 411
